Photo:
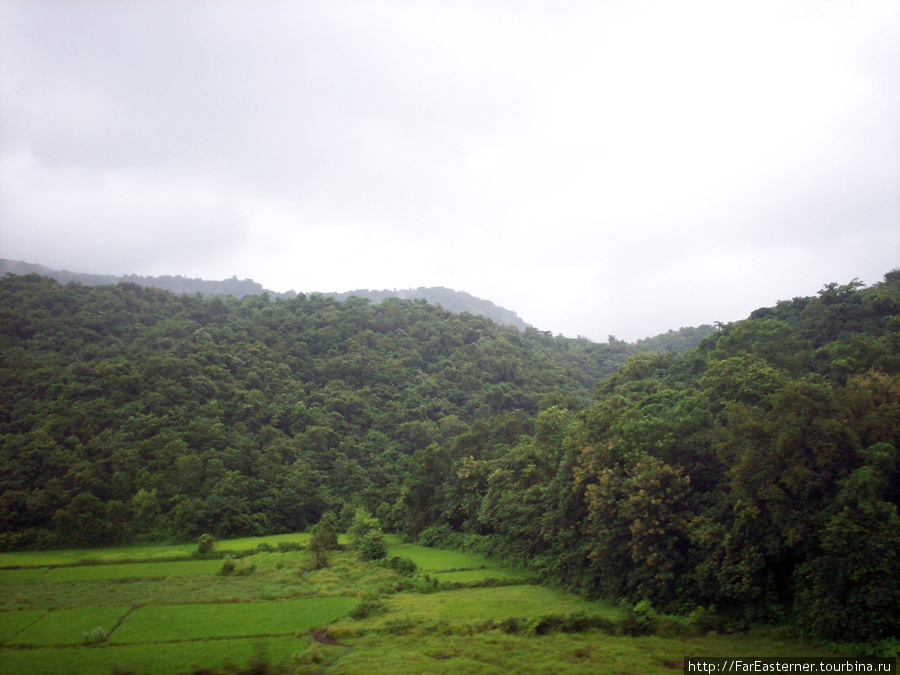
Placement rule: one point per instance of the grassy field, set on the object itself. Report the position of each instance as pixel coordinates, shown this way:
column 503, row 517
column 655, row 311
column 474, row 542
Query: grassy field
column 458, row 613
column 173, row 623
column 124, row 554
column 67, row 626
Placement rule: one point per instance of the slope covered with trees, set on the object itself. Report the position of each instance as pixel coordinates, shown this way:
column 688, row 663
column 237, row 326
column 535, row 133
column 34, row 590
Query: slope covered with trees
column 758, row 474
column 129, row 412
column 454, row 301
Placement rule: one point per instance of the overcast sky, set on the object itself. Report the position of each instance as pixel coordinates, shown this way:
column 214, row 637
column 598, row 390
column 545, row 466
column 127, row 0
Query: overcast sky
column 600, row 167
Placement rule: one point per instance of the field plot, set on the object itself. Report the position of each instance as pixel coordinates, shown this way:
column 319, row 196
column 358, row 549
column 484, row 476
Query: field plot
column 152, row 659
column 589, row 653
column 88, row 556
column 181, row 568
column 124, row 554
column 68, row 626
column 21, row 576
column 434, row 559
column 181, row 616
column 12, row 623
column 469, row 576
column 167, row 623
column 455, row 610
column 250, row 543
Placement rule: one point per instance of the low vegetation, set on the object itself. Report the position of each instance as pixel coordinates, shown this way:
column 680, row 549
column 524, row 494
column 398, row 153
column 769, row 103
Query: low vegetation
column 351, row 616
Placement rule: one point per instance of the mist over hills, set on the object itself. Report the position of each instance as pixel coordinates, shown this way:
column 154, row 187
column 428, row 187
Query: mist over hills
column 451, row 300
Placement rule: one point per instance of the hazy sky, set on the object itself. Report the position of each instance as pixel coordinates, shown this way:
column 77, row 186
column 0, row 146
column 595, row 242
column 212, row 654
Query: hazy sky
column 599, row 167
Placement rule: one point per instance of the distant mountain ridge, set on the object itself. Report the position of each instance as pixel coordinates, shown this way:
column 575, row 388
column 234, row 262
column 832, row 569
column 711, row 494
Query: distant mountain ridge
column 453, row 301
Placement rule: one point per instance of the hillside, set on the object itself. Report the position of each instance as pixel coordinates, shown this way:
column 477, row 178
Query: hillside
column 757, row 473
column 454, row 301
column 248, row 415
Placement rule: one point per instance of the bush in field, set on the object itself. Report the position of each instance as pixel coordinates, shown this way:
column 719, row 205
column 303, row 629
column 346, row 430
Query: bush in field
column 205, row 544
column 367, row 607
column 371, row 546
column 324, row 539
column 228, row 565
column 437, row 536
column 238, row 568
column 404, row 566
column 94, row 637
column 640, row 619
column 363, row 523
column 324, row 534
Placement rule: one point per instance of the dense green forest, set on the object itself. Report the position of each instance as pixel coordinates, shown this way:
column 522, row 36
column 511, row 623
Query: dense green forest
column 756, row 475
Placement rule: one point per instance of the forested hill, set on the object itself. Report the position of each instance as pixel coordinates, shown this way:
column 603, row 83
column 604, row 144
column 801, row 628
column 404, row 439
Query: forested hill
column 454, row 301
column 757, row 474
column 129, row 412
column 176, row 284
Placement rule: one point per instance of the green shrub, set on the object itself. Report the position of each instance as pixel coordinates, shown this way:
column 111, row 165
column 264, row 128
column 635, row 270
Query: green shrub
column 704, row 620
column 363, row 523
column 228, row 565
column 371, row 546
column 238, row 568
column 205, row 544
column 437, row 536
column 404, row 566
column 289, row 546
column 640, row 619
column 94, row 636
column 367, row 607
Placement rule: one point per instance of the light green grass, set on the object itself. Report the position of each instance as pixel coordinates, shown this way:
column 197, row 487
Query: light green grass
column 161, row 659
column 82, row 556
column 477, row 604
column 444, row 632
column 165, row 623
column 250, row 543
column 13, row 622
column 433, row 559
column 589, row 653
column 468, row 609
column 181, row 568
column 67, row 626
column 137, row 553
column 468, row 576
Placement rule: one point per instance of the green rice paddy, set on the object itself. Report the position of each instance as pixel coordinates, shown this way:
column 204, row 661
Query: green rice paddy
column 153, row 610
column 434, row 560
column 171, row 623
column 67, row 626
column 180, row 568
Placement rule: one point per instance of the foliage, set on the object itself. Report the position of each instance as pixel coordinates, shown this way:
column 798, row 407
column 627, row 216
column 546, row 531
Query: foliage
column 367, row 607
column 324, row 538
column 371, row 546
column 94, row 636
column 758, row 474
column 205, row 544
column 363, row 524
column 131, row 414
